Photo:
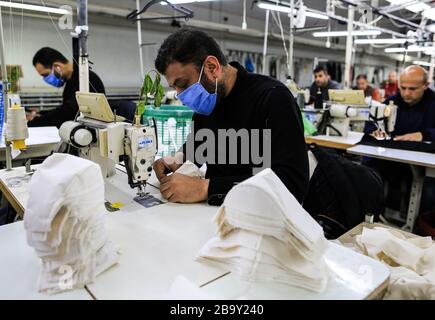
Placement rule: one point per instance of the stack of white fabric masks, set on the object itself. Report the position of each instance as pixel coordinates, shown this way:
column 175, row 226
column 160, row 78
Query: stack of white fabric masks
column 64, row 222
column 264, row 234
column 411, row 261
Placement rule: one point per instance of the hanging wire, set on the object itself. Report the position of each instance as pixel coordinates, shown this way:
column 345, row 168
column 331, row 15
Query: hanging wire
column 63, row 40
column 22, row 27
column 287, row 53
column 11, row 39
column 277, row 19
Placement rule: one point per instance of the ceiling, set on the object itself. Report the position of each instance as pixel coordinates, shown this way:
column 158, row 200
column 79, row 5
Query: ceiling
column 229, row 12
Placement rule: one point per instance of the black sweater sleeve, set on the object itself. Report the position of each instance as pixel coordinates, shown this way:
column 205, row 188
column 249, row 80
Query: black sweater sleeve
column 289, row 158
column 69, row 107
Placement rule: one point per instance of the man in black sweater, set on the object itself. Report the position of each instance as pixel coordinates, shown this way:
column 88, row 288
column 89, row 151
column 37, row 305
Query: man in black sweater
column 226, row 97
column 57, row 71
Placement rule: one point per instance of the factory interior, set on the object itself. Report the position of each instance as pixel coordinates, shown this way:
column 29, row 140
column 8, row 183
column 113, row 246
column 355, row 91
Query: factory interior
column 143, row 144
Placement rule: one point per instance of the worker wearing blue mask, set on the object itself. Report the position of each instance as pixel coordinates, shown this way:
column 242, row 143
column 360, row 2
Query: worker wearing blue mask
column 58, row 72
column 226, row 97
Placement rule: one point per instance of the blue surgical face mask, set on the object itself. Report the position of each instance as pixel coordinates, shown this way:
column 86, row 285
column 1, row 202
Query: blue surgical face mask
column 197, row 98
column 54, row 80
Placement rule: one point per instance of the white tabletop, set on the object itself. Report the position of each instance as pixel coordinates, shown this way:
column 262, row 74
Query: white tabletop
column 17, row 182
column 352, row 139
column 410, row 157
column 20, row 267
column 159, row 244
column 352, row 277
column 39, row 136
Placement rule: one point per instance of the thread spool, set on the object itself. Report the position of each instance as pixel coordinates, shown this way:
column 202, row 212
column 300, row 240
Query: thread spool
column 16, row 129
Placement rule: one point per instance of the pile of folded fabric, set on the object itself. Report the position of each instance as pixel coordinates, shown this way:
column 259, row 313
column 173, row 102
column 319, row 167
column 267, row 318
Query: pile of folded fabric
column 264, row 234
column 411, row 261
column 64, row 222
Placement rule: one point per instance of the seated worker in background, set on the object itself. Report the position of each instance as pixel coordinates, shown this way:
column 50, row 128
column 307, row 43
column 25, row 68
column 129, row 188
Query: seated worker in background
column 416, row 108
column 363, row 84
column 391, row 85
column 225, row 97
column 57, row 71
column 322, row 82
column 415, row 122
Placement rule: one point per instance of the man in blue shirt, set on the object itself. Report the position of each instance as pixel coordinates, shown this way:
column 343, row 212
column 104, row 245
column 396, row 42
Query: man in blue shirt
column 415, row 122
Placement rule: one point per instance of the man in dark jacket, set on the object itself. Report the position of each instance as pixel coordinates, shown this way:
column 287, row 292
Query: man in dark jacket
column 58, row 72
column 225, row 98
column 416, row 108
column 322, row 82
column 415, row 122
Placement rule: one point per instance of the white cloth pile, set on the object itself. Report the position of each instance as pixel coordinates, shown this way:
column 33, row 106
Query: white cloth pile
column 64, row 222
column 411, row 261
column 190, row 169
column 264, row 234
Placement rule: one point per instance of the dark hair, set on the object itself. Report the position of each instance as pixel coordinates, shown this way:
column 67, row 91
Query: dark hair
column 188, row 46
column 48, row 56
column 361, row 76
column 320, row 69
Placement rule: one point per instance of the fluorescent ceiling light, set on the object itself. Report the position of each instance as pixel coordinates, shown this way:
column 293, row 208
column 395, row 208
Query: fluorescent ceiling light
column 416, row 7
column 316, row 15
column 345, row 33
column 182, row 1
column 32, row 7
column 430, row 14
column 423, row 63
column 275, row 7
column 414, row 48
column 384, row 41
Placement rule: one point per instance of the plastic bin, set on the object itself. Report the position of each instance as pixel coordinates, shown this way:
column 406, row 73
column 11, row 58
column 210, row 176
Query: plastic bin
column 173, row 125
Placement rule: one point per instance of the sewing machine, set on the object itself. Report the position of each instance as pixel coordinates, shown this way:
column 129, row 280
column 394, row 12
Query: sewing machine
column 346, row 106
column 107, row 139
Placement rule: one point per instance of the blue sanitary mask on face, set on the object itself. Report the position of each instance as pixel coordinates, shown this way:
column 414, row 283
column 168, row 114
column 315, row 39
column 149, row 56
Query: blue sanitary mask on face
column 53, row 80
column 197, row 98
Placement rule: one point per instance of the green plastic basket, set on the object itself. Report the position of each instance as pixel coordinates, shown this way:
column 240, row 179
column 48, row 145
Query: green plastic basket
column 173, row 125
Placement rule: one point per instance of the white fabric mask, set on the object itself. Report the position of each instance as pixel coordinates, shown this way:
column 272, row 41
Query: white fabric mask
column 65, row 224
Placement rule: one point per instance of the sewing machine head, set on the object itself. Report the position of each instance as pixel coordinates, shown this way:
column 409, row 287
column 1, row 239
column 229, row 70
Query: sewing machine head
column 104, row 138
column 350, row 106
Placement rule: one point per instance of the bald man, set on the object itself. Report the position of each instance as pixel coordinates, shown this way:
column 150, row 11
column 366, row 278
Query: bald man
column 415, row 122
column 416, row 108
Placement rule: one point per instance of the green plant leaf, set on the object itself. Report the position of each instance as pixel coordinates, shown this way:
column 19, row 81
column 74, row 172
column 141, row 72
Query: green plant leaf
column 158, row 99
column 147, row 85
column 154, row 87
column 156, row 84
column 161, row 90
column 141, row 108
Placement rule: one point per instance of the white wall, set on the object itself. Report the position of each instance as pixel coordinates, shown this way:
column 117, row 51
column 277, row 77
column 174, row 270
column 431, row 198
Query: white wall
column 113, row 48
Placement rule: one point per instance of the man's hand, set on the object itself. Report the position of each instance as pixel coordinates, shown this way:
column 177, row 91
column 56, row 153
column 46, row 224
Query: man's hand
column 380, row 134
column 167, row 165
column 184, row 189
column 32, row 115
column 416, row 136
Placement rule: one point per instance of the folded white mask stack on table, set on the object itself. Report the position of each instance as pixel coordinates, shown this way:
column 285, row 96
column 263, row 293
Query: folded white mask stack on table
column 411, row 261
column 64, row 222
column 265, row 234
